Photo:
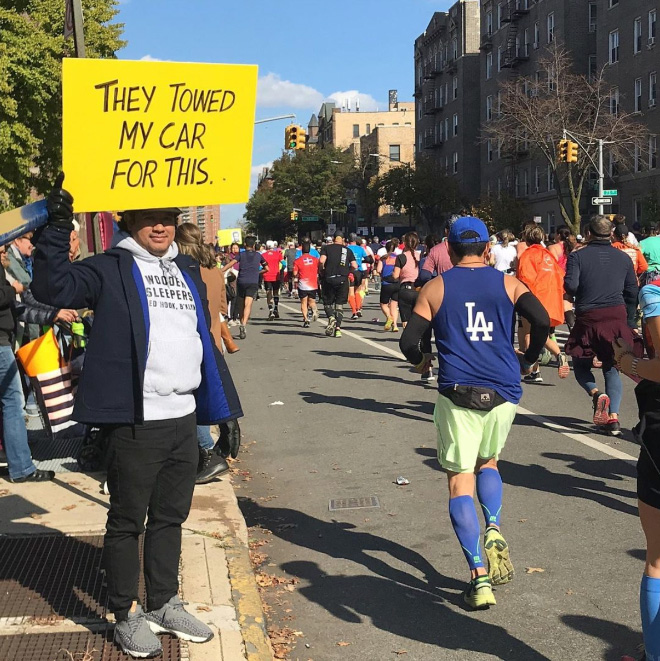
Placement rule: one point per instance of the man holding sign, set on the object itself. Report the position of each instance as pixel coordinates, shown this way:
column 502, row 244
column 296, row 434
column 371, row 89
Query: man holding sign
column 152, row 372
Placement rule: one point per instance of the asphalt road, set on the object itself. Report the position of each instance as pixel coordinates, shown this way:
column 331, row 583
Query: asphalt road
column 388, row 580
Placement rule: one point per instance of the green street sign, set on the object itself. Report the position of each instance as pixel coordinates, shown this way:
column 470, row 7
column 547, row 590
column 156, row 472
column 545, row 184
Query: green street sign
column 310, row 219
column 610, row 193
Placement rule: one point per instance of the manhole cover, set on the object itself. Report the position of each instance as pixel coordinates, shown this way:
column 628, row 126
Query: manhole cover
column 75, row 645
column 353, row 503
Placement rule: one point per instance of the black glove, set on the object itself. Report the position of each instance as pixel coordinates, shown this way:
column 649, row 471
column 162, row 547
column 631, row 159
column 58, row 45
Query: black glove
column 230, row 439
column 60, row 205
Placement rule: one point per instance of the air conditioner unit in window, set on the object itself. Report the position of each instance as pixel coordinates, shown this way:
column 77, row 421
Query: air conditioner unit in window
column 536, row 45
column 651, row 103
column 651, row 42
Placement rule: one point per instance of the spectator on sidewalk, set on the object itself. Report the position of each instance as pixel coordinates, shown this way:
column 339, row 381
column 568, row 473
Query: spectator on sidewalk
column 19, row 459
column 152, row 371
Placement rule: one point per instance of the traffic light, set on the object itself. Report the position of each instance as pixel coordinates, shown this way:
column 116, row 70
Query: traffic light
column 562, row 151
column 287, row 137
column 301, row 142
column 294, row 216
column 293, row 137
column 572, row 156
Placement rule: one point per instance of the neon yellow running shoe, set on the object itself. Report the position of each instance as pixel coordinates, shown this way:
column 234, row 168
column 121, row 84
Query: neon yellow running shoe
column 500, row 568
column 388, row 324
column 337, row 332
column 395, row 328
column 478, row 594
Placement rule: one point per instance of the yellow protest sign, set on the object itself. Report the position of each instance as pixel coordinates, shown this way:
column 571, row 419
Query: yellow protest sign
column 227, row 237
column 157, row 134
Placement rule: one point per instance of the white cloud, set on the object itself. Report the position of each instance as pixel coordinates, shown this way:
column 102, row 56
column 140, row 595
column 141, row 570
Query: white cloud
column 367, row 102
column 273, row 92
column 150, row 58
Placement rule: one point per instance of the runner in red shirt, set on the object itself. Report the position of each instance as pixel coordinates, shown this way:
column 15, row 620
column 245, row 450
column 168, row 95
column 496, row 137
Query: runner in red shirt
column 306, row 272
column 272, row 278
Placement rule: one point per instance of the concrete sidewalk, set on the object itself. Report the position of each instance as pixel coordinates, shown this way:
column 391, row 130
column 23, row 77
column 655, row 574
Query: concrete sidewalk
column 56, row 596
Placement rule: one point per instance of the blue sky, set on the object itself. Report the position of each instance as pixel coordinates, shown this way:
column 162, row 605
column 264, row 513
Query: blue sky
column 306, row 52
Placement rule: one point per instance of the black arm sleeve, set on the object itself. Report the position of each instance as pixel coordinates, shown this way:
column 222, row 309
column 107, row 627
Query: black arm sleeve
column 411, row 339
column 529, row 307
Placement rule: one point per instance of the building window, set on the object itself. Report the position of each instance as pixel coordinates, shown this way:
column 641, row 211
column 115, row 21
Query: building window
column 550, row 179
column 455, row 123
column 356, row 130
column 614, row 46
column 419, row 110
column 537, row 34
column 614, row 101
column 499, row 148
column 653, row 82
column 455, row 160
column 653, row 152
column 499, row 15
column 551, row 79
column 593, row 67
column 489, row 22
column 489, row 66
column 637, row 211
column 489, row 150
column 593, row 16
column 489, row 108
column 551, row 27
column 525, row 182
column 454, row 86
column 537, row 179
column 446, row 128
column 652, row 21
column 395, row 152
column 454, row 48
column 613, row 3
column 499, row 58
column 637, row 160
column 419, row 143
column 637, row 35
column 499, row 103
column 638, row 95
column 551, row 222
column 368, row 131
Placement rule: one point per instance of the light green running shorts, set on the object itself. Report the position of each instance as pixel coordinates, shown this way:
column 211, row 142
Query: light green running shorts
column 464, row 435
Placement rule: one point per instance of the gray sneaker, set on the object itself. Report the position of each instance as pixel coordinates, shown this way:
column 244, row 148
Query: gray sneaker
column 135, row 637
column 173, row 618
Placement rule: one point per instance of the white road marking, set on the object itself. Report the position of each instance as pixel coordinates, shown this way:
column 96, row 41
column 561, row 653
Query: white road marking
column 561, row 429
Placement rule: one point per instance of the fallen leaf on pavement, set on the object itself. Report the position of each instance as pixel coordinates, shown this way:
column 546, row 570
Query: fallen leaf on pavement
column 34, row 515
column 289, row 588
column 341, row 643
column 522, row 520
column 207, row 609
column 534, row 570
column 69, row 507
column 400, row 652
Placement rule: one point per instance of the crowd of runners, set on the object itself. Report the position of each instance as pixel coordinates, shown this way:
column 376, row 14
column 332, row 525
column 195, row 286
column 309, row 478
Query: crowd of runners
column 494, row 328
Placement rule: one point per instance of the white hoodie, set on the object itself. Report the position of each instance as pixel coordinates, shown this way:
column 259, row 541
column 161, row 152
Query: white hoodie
column 175, row 353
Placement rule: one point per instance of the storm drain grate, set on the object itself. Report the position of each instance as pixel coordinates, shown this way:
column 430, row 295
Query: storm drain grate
column 353, row 503
column 76, row 645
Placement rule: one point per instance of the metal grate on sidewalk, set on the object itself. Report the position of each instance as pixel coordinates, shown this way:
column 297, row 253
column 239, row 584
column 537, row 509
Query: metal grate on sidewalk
column 77, row 645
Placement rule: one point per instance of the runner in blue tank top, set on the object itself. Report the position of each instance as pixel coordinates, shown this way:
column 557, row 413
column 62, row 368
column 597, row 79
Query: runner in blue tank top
column 471, row 309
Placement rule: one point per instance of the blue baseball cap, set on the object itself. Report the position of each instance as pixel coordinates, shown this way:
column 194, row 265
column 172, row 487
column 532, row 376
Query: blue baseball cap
column 468, row 224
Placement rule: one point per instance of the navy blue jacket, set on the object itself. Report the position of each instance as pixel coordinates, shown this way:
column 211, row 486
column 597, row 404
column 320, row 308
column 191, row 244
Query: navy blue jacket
column 111, row 385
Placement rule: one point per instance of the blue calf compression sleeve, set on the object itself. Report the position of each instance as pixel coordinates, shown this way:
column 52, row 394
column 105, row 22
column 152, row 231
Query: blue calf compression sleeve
column 466, row 526
column 489, row 493
column 649, row 602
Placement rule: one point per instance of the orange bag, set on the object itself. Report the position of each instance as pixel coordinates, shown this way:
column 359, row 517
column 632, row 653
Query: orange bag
column 540, row 271
column 41, row 355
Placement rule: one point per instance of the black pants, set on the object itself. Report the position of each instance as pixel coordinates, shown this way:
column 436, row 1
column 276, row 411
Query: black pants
column 335, row 296
column 407, row 299
column 151, row 474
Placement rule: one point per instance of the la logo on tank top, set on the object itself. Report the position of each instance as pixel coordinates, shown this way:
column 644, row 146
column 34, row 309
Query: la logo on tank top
column 477, row 324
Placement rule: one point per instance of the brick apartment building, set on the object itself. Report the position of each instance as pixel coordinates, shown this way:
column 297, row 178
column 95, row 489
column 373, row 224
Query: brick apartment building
column 206, row 218
column 447, row 92
column 513, row 36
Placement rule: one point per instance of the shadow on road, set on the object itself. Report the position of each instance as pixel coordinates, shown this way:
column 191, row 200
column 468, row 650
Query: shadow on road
column 540, row 478
column 620, row 638
column 367, row 376
column 352, row 354
column 393, row 599
column 375, row 406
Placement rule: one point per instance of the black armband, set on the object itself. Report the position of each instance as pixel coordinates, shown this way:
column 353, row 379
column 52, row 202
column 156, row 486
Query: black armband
column 411, row 339
column 529, row 307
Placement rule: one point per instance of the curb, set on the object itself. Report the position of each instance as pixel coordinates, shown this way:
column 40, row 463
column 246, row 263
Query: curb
column 244, row 591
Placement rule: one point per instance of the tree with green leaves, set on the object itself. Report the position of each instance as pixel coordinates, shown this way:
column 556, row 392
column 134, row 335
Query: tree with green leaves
column 313, row 181
column 503, row 212
column 423, row 191
column 32, row 46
